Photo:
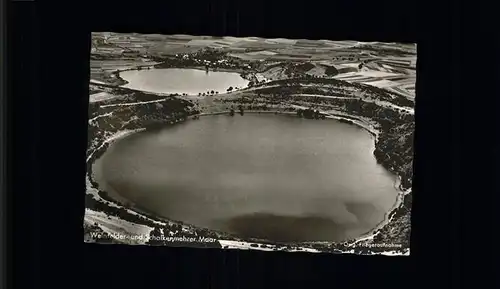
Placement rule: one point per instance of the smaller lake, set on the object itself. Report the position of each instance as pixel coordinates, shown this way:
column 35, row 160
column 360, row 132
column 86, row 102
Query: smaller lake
column 181, row 80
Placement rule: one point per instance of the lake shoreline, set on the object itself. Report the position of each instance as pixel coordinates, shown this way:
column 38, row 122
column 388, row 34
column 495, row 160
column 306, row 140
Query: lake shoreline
column 122, row 82
column 122, row 201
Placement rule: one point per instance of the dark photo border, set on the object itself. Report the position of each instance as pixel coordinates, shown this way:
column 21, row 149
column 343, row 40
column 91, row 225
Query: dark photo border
column 4, row 90
column 49, row 110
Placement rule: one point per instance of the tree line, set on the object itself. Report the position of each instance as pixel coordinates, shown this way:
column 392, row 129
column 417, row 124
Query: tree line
column 310, row 113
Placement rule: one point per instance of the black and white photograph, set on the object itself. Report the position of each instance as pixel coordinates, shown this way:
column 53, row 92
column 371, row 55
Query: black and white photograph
column 250, row 143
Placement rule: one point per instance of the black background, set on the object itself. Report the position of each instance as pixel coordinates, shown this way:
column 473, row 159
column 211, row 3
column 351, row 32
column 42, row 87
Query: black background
column 456, row 132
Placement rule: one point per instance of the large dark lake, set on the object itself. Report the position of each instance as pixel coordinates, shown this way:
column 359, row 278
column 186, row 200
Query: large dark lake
column 274, row 177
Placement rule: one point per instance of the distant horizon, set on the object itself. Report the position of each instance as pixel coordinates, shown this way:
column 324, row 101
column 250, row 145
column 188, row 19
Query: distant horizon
column 253, row 37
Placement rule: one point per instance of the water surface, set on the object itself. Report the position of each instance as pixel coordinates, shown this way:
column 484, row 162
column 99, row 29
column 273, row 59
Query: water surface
column 265, row 176
column 180, row 80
